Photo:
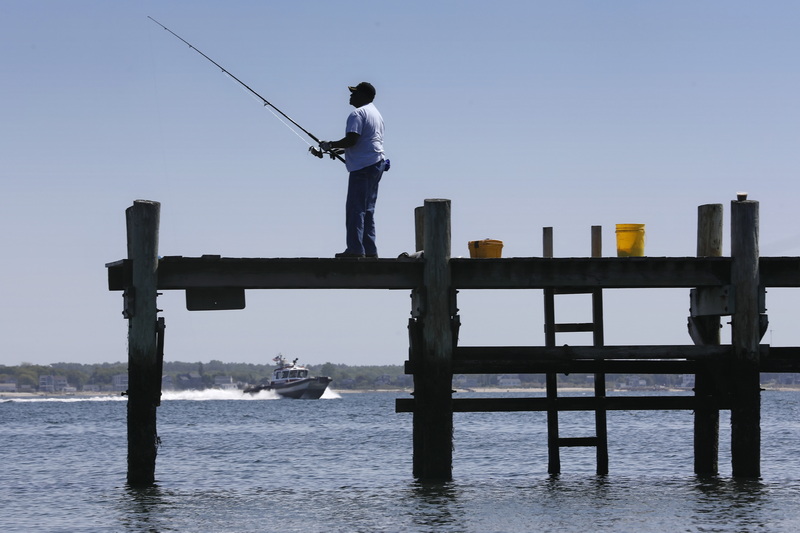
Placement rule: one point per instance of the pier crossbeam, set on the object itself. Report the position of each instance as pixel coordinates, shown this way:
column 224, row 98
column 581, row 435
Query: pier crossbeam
column 590, row 272
column 781, row 359
column 655, row 359
column 573, row 403
column 544, row 366
column 177, row 273
column 519, row 353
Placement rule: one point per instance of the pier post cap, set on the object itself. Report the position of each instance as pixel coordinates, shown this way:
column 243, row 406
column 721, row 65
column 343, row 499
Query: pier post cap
column 150, row 202
column 741, row 196
column 436, row 200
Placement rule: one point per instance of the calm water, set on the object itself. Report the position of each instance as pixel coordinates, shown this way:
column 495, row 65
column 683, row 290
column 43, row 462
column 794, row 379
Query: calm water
column 344, row 465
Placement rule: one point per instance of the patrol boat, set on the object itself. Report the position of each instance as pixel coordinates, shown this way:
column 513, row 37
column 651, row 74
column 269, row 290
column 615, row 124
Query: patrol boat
column 291, row 380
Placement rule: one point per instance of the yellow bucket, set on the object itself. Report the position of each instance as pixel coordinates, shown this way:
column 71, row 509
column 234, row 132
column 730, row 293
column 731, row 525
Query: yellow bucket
column 485, row 248
column 630, row 240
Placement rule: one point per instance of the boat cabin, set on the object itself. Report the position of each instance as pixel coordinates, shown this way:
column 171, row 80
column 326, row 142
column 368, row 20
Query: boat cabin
column 289, row 374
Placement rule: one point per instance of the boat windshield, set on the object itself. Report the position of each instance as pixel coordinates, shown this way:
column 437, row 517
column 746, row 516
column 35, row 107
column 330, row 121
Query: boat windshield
column 290, row 374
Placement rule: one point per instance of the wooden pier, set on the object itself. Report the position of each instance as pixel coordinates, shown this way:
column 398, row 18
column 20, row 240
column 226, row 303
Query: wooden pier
column 727, row 375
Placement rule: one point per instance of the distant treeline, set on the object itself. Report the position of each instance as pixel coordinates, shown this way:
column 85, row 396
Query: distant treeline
column 80, row 375
column 100, row 376
column 203, row 375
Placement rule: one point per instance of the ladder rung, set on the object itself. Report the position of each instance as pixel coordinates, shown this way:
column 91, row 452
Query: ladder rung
column 571, row 328
column 573, row 290
column 578, row 441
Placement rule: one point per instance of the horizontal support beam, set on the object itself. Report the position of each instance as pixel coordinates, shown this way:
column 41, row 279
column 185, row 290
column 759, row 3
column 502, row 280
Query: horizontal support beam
column 572, row 403
column 655, row 359
column 571, row 353
column 779, row 271
column 176, row 273
column 575, row 274
column 575, row 367
column 590, row 272
column 679, row 359
column 781, row 359
column 574, row 442
column 574, row 327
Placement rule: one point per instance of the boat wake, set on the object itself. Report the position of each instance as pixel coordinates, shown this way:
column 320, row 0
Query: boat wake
column 217, row 394
column 68, row 399
column 186, row 395
column 330, row 395
column 234, row 394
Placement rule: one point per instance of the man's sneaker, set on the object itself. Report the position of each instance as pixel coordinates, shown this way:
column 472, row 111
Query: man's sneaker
column 348, row 254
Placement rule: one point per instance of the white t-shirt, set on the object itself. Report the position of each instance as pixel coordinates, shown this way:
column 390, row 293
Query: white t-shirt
column 368, row 123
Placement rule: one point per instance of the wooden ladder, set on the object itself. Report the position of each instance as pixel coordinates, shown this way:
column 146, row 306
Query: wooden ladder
column 600, row 439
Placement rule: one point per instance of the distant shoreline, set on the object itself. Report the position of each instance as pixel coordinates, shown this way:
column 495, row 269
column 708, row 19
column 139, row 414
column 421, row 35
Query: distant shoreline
column 90, row 394
column 82, row 394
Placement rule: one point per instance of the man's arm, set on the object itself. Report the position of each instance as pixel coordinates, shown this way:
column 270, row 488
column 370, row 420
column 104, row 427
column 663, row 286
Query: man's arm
column 332, row 146
column 347, row 141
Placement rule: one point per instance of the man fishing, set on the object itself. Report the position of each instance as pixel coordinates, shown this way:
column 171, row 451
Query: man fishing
column 366, row 162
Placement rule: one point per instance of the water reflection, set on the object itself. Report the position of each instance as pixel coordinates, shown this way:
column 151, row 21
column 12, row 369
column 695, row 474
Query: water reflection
column 434, row 504
column 724, row 502
column 589, row 487
column 141, row 509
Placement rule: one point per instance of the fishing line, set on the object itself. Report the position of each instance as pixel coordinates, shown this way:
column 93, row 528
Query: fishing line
column 290, row 128
column 279, row 118
column 266, row 102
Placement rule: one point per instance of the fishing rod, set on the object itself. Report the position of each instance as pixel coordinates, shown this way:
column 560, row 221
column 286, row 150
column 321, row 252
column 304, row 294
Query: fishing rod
column 333, row 154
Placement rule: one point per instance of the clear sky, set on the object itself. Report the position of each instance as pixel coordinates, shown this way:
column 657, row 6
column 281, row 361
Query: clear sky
column 524, row 113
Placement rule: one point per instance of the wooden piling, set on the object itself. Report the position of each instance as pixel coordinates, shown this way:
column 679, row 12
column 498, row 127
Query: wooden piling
column 433, row 412
column 746, row 398
column 598, row 339
column 706, row 417
column 419, row 228
column 144, row 376
column 709, row 230
column 551, row 379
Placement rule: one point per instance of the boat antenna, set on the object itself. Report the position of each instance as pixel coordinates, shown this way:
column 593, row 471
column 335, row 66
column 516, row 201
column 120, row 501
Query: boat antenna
column 267, row 103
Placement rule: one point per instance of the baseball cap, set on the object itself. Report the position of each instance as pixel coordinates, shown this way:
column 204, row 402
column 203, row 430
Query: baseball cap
column 364, row 87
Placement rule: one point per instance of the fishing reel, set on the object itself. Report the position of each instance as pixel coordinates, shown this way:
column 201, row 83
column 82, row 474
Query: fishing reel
column 334, row 153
